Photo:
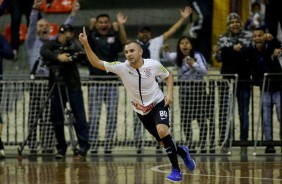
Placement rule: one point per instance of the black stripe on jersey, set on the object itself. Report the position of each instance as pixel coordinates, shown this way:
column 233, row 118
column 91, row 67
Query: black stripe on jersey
column 140, row 85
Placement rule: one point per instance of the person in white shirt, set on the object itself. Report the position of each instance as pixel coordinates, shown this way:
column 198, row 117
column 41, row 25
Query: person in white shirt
column 152, row 46
column 148, row 101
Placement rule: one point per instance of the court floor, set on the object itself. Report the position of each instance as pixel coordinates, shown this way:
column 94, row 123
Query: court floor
column 132, row 169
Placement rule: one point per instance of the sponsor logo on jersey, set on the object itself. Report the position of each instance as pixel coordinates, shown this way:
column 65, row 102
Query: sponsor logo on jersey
column 142, row 108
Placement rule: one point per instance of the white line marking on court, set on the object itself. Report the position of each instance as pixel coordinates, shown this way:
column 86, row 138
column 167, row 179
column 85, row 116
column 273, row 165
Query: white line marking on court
column 157, row 169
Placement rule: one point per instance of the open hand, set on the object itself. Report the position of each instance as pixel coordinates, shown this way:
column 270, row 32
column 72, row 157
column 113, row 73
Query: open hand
column 121, row 18
column 186, row 12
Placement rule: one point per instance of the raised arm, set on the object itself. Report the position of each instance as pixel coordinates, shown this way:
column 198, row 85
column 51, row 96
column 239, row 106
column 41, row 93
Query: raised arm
column 184, row 14
column 71, row 18
column 122, row 19
column 32, row 27
column 94, row 60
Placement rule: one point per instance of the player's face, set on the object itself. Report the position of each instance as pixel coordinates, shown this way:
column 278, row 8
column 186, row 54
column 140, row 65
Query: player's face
column 185, row 46
column 235, row 26
column 103, row 25
column 144, row 36
column 259, row 38
column 42, row 28
column 133, row 53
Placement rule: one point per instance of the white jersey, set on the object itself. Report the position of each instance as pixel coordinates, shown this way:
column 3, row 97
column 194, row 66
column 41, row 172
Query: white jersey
column 140, row 83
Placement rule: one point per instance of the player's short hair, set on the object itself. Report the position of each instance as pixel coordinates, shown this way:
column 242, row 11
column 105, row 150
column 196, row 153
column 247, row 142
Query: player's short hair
column 133, row 41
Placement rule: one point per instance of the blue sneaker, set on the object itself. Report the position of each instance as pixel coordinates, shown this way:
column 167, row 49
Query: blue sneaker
column 188, row 161
column 175, row 176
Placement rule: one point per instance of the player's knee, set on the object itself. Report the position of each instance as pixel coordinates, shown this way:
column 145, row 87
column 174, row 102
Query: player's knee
column 162, row 131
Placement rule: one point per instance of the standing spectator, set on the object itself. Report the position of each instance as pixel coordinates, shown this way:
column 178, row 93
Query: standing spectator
column 152, row 46
column 106, row 42
column 191, row 67
column 6, row 52
column 37, row 33
column 17, row 8
column 273, row 16
column 148, row 101
column 229, row 51
column 264, row 55
column 256, row 18
column 199, row 23
column 64, row 75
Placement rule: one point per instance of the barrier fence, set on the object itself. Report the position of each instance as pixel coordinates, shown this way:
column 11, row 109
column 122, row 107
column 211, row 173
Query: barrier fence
column 203, row 116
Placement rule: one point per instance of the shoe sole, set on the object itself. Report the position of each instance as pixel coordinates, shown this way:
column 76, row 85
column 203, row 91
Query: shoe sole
column 194, row 165
column 2, row 154
column 187, row 151
column 59, row 157
column 79, row 158
column 173, row 180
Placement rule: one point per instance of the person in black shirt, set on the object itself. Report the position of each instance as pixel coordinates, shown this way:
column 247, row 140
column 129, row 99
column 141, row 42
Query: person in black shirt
column 61, row 56
column 229, row 50
column 263, row 56
column 106, row 41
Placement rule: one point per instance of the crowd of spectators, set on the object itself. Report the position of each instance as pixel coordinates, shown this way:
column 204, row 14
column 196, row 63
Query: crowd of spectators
column 249, row 49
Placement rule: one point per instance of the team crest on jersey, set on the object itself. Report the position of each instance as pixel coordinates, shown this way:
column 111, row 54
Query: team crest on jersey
column 148, row 72
column 111, row 40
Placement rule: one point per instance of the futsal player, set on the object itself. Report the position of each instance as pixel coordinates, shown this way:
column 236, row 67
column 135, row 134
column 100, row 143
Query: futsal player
column 148, row 101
